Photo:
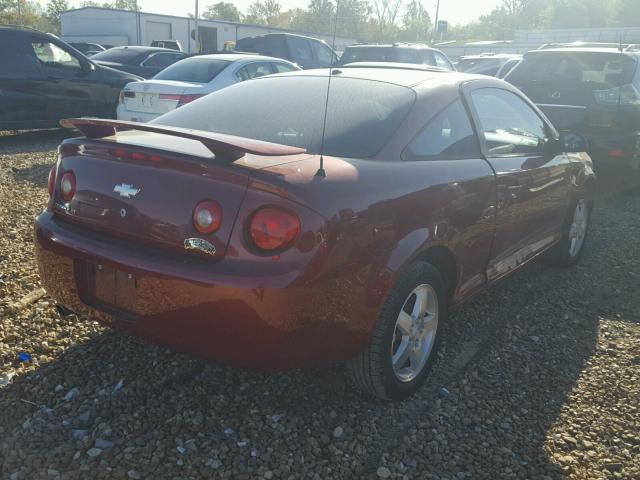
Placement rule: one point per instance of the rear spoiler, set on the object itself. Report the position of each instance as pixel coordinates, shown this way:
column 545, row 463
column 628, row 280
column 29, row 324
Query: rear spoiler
column 220, row 144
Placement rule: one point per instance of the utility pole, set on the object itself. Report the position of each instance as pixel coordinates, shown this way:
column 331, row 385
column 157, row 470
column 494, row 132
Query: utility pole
column 19, row 12
column 196, row 30
column 435, row 25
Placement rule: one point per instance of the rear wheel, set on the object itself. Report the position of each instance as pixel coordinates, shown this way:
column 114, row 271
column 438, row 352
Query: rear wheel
column 407, row 335
column 568, row 250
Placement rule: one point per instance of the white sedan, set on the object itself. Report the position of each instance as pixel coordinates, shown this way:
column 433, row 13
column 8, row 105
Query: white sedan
column 190, row 79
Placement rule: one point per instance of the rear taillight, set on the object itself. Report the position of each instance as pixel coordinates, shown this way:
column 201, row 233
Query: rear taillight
column 123, row 154
column 126, row 94
column 51, row 182
column 182, row 99
column 207, row 216
column 625, row 95
column 68, row 185
column 273, row 228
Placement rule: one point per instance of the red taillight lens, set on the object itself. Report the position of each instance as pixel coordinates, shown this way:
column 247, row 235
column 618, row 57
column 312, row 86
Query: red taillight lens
column 184, row 99
column 51, row 183
column 68, row 186
column 274, row 228
column 207, row 216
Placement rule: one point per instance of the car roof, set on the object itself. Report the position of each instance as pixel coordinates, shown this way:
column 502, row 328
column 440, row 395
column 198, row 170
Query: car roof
column 406, row 77
column 281, row 34
column 399, row 65
column 609, row 50
column 142, row 49
column 415, row 46
column 234, row 57
column 484, row 56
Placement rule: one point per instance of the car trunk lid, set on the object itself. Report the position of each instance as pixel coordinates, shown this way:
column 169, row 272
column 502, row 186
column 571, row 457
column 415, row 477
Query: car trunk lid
column 160, row 96
column 144, row 186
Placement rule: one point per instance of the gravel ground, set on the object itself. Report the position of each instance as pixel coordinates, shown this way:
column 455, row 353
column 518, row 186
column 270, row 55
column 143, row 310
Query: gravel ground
column 539, row 379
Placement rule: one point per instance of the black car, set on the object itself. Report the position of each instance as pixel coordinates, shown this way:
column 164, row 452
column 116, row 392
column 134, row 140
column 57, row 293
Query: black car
column 306, row 52
column 594, row 91
column 42, row 80
column 87, row 48
column 396, row 53
column 143, row 61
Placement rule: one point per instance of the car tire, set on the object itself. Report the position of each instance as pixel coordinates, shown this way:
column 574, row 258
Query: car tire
column 407, row 335
column 575, row 229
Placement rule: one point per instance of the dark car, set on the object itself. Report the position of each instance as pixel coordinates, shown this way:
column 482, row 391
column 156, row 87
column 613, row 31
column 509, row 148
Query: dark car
column 87, row 49
column 42, row 80
column 170, row 44
column 396, row 53
column 594, row 91
column 142, row 61
column 306, row 52
column 494, row 65
column 234, row 228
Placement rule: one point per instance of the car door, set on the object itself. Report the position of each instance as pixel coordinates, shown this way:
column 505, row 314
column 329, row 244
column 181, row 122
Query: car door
column 463, row 205
column 22, row 102
column 68, row 89
column 533, row 182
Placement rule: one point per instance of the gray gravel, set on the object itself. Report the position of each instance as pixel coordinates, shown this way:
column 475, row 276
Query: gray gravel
column 540, row 378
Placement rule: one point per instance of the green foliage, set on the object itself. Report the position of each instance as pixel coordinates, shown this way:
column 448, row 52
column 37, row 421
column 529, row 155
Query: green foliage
column 263, row 12
column 222, row 11
column 53, row 10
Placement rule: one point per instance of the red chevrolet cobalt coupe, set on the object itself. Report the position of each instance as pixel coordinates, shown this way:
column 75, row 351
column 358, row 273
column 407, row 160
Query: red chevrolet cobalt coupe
column 220, row 229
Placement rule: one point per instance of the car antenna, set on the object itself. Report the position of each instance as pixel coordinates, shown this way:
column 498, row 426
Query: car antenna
column 321, row 173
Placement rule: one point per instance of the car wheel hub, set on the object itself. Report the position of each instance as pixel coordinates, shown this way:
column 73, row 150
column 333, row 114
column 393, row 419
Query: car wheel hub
column 415, row 333
column 578, row 229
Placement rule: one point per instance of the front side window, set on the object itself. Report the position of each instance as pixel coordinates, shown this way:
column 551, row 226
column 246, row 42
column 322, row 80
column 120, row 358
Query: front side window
column 324, row 54
column 441, row 61
column 282, row 67
column 448, row 136
column 509, row 125
column 50, row 55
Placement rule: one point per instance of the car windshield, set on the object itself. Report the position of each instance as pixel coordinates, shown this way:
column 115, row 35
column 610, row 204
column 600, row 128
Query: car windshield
column 361, row 117
column 381, row 54
column 197, row 70
column 118, row 55
column 574, row 69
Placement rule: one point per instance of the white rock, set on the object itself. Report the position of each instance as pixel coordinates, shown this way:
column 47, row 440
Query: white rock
column 383, row 472
column 338, row 432
column 71, row 394
column 94, row 452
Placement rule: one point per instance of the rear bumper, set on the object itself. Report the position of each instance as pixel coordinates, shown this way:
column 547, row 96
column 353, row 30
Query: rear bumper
column 266, row 323
column 123, row 114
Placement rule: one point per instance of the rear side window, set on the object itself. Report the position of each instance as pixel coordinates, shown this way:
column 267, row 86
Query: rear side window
column 254, row 70
column 20, row 59
column 282, row 67
column 572, row 69
column 196, row 70
column 161, row 60
column 509, row 125
column 268, row 45
column 300, row 49
column 362, row 115
column 448, row 136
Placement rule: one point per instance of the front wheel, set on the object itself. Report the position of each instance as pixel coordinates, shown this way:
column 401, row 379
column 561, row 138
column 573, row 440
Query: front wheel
column 406, row 337
column 574, row 234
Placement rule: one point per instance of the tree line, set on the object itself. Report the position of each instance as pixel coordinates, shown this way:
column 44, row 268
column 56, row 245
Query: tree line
column 372, row 20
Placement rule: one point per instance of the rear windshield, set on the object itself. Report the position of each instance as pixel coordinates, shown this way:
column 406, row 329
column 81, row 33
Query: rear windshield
column 381, row 54
column 198, row 70
column 119, row 55
column 597, row 69
column 361, row 117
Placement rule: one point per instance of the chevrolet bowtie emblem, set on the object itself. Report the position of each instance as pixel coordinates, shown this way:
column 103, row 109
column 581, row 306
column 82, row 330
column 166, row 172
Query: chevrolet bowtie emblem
column 126, row 190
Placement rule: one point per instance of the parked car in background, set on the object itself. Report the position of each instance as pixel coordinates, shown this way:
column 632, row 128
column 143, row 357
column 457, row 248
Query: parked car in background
column 594, row 90
column 239, row 228
column 396, row 53
column 42, row 79
column 494, row 65
column 307, row 52
column 142, row 61
column 87, row 49
column 192, row 78
column 170, row 44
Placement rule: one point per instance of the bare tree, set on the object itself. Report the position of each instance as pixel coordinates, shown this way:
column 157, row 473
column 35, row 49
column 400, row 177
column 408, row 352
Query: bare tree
column 386, row 13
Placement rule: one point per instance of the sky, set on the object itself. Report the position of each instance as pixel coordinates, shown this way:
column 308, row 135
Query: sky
column 454, row 11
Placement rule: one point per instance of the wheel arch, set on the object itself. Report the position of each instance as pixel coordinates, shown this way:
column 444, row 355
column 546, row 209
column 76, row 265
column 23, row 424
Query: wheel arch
column 445, row 262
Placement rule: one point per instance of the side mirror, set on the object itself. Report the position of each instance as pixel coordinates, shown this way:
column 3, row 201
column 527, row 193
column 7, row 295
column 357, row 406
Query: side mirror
column 573, row 142
column 87, row 67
